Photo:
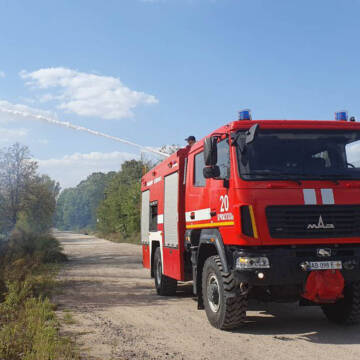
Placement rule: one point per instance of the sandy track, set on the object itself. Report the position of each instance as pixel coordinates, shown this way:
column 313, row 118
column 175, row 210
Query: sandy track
column 119, row 316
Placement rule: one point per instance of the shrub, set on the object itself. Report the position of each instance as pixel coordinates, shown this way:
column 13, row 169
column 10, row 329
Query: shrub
column 41, row 248
column 29, row 329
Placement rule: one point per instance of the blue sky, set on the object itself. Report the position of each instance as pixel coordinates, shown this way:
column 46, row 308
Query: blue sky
column 156, row 71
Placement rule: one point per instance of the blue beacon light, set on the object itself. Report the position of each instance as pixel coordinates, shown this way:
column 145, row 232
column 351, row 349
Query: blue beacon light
column 245, row 115
column 341, row 116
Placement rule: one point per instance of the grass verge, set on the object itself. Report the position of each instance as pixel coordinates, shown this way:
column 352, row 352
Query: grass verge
column 29, row 328
column 119, row 238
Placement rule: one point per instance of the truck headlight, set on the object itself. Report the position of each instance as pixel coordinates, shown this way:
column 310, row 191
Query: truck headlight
column 249, row 262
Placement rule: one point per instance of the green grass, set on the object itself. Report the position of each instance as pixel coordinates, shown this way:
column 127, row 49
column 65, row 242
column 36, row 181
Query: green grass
column 31, row 331
column 119, row 238
column 29, row 328
column 68, row 318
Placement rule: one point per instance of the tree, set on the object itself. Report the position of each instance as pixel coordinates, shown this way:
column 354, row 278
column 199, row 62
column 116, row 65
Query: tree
column 76, row 207
column 38, row 206
column 120, row 210
column 27, row 199
column 17, row 172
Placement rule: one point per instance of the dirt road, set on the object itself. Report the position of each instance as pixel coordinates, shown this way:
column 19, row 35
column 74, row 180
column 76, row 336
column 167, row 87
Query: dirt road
column 119, row 316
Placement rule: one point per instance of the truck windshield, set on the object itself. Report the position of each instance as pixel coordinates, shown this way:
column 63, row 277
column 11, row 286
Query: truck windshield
column 300, row 155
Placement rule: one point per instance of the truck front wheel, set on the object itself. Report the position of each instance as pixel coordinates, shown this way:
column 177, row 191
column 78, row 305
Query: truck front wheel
column 224, row 307
column 164, row 285
column 346, row 310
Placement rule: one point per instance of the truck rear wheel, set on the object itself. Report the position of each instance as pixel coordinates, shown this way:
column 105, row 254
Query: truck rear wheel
column 346, row 310
column 225, row 308
column 164, row 285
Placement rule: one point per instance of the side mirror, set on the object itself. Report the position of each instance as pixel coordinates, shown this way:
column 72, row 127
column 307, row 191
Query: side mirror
column 210, row 151
column 211, row 172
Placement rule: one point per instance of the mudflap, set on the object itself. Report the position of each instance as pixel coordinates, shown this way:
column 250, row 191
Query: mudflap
column 324, row 286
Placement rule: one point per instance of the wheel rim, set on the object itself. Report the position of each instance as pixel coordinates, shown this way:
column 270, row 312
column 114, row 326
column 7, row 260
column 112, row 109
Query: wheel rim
column 213, row 293
column 158, row 271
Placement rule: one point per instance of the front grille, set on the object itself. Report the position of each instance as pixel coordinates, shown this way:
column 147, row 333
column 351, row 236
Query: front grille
column 314, row 221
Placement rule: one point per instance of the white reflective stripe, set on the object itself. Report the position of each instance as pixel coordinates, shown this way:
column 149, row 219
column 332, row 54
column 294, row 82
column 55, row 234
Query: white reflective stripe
column 203, row 214
column 309, row 196
column 156, row 236
column 160, row 219
column 327, row 196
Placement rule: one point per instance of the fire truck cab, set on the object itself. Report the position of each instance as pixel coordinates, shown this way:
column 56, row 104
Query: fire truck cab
column 265, row 209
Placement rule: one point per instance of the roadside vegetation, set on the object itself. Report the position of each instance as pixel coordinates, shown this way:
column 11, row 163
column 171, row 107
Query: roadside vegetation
column 77, row 207
column 29, row 255
column 119, row 212
column 108, row 204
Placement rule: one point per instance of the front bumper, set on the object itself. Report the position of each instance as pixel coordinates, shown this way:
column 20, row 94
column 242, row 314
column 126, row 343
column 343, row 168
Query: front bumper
column 285, row 263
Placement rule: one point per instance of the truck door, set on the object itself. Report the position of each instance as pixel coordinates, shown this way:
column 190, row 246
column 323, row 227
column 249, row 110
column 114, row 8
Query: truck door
column 219, row 195
column 197, row 206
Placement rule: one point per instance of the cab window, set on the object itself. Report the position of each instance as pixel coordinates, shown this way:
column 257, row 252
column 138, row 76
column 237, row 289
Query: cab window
column 352, row 154
column 199, row 165
column 223, row 162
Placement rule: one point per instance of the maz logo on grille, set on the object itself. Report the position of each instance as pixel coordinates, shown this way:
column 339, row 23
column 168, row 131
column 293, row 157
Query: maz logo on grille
column 323, row 252
column 321, row 225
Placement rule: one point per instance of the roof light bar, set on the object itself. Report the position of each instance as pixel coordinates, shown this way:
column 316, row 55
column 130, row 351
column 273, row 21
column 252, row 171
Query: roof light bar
column 341, row 116
column 245, row 114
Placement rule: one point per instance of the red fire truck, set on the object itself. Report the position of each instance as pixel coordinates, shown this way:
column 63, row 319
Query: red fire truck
column 264, row 209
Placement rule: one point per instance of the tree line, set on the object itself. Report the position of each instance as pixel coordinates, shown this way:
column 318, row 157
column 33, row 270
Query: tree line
column 106, row 203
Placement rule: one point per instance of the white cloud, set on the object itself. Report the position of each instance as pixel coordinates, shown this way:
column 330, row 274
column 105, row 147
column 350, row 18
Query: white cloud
column 2, row 74
column 69, row 170
column 87, row 94
column 12, row 135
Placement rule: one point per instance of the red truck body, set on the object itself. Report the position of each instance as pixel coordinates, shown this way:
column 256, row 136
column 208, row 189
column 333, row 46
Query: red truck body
column 179, row 214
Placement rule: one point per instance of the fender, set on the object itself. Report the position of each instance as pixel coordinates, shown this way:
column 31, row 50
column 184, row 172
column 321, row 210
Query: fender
column 213, row 237
column 200, row 240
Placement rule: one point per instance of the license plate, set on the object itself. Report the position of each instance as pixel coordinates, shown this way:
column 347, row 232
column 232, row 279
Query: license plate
column 325, row 265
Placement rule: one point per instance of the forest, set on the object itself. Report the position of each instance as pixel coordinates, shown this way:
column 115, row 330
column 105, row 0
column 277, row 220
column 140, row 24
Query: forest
column 106, row 203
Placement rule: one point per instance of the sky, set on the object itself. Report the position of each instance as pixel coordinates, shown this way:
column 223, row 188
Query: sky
column 156, row 71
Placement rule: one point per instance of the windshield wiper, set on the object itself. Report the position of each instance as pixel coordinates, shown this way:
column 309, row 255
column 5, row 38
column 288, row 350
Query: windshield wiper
column 331, row 177
column 282, row 176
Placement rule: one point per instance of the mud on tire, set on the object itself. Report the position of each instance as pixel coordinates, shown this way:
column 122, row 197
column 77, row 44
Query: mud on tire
column 346, row 310
column 224, row 307
column 164, row 285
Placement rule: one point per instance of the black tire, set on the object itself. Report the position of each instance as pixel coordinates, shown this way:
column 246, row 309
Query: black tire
column 347, row 310
column 164, row 285
column 225, row 307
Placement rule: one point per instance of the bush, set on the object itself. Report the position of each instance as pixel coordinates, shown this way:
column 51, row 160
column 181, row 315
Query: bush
column 29, row 257
column 41, row 248
column 28, row 326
